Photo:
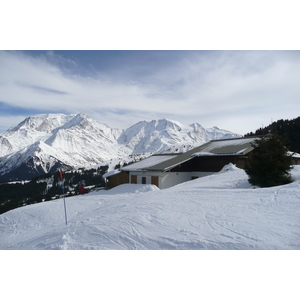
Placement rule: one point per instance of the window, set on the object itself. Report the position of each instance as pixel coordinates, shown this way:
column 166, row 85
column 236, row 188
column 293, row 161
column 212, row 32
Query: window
column 143, row 180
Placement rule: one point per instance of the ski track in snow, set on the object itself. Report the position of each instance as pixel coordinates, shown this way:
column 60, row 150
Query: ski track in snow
column 212, row 212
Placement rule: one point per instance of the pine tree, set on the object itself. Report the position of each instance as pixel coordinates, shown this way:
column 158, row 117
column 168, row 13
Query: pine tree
column 269, row 164
column 287, row 129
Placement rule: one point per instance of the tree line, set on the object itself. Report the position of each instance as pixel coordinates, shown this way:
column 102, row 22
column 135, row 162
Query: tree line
column 287, row 130
column 48, row 187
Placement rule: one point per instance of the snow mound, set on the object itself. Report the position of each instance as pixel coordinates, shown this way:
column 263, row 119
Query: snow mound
column 229, row 167
column 230, row 177
column 129, row 188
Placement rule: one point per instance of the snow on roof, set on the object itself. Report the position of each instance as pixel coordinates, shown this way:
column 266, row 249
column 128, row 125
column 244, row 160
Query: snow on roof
column 296, row 155
column 203, row 153
column 148, row 162
column 230, row 146
column 111, row 173
column 236, row 146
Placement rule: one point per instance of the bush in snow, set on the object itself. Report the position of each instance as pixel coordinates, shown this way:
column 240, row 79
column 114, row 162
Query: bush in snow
column 270, row 163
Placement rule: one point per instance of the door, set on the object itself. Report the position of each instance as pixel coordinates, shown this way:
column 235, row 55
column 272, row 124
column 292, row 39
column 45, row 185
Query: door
column 154, row 180
column 134, row 179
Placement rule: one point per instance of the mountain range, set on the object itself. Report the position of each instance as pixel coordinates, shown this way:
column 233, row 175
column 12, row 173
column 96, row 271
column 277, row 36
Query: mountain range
column 46, row 143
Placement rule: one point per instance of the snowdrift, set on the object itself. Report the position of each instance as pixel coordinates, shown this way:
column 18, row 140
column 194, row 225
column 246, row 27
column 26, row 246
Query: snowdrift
column 128, row 188
column 221, row 211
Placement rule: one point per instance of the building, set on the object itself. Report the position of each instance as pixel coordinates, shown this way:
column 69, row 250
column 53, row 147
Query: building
column 166, row 170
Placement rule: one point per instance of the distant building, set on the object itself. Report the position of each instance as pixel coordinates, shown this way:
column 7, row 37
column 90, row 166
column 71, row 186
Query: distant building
column 166, row 170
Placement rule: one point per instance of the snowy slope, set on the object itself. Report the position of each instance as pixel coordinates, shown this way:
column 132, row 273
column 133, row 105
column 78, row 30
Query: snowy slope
column 77, row 141
column 70, row 133
column 36, row 159
column 220, row 211
column 45, row 143
column 163, row 136
column 31, row 130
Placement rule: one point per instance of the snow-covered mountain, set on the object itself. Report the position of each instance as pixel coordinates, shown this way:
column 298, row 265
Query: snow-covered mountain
column 168, row 136
column 45, row 143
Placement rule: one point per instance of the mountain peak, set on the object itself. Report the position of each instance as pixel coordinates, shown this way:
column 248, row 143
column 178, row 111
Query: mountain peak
column 78, row 141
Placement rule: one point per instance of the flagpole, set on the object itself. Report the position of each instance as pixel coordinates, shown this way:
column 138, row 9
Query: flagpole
column 63, row 192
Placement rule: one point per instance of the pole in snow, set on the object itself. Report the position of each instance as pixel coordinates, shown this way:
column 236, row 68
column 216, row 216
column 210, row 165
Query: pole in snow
column 63, row 192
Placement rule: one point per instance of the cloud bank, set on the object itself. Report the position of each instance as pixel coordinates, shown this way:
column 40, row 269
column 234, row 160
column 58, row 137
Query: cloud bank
column 235, row 90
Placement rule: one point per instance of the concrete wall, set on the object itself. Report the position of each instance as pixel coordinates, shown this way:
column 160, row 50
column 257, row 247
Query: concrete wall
column 171, row 178
column 147, row 175
column 167, row 179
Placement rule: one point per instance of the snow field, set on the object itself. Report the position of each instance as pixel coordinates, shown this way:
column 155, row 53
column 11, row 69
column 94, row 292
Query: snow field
column 217, row 212
column 220, row 211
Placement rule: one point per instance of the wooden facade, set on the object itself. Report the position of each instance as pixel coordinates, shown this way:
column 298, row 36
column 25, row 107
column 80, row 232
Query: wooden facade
column 117, row 179
column 154, row 180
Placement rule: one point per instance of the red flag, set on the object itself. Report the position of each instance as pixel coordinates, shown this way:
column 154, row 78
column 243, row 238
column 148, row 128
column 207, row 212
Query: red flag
column 61, row 175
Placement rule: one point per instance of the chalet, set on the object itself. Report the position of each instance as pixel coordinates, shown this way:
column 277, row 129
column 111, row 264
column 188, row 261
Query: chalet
column 166, row 170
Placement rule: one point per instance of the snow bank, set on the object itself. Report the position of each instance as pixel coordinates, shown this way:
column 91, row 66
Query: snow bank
column 229, row 167
column 129, row 188
column 230, row 177
column 295, row 173
column 213, row 212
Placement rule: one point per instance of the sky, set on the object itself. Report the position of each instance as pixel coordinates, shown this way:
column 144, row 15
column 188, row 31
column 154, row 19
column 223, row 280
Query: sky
column 235, row 90
column 216, row 63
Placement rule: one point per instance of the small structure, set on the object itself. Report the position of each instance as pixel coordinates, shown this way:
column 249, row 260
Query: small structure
column 166, row 170
column 115, row 178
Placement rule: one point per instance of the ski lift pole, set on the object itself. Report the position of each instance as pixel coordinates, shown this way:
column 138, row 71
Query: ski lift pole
column 63, row 192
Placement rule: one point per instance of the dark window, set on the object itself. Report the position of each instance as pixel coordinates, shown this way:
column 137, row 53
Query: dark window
column 143, row 180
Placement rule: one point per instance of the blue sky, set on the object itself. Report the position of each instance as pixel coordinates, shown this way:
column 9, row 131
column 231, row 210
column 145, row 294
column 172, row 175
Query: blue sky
column 168, row 77
column 235, row 90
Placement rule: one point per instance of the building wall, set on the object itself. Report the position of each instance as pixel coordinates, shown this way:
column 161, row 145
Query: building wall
column 215, row 163
column 172, row 178
column 296, row 160
column 137, row 177
column 118, row 179
column 211, row 163
column 166, row 179
column 195, row 168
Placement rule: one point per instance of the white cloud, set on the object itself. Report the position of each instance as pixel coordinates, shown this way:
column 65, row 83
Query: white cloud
column 235, row 90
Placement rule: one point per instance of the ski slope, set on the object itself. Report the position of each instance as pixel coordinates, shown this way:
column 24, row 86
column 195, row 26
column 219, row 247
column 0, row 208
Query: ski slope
column 217, row 212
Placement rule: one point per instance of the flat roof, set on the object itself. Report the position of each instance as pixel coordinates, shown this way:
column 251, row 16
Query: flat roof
column 165, row 162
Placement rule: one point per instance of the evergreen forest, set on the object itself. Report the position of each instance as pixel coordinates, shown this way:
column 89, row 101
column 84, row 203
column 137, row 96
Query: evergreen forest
column 287, row 130
column 48, row 187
